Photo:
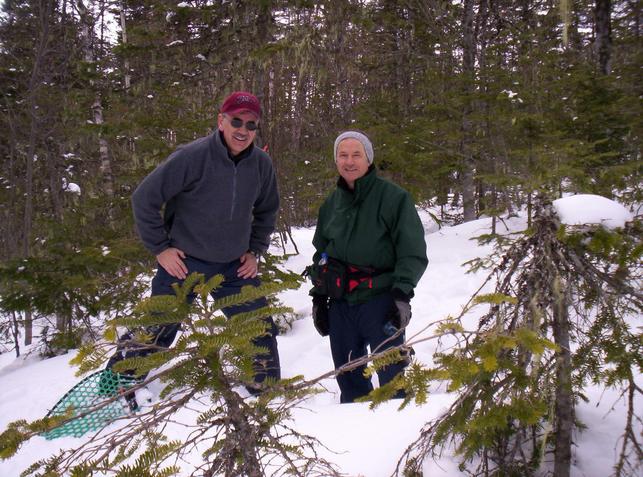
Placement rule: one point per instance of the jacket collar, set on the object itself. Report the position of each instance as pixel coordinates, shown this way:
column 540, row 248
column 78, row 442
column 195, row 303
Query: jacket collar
column 243, row 154
column 362, row 185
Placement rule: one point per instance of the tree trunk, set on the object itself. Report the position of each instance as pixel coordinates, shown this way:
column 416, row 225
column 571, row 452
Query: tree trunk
column 97, row 106
column 635, row 8
column 468, row 58
column 564, row 409
column 259, row 72
column 238, row 457
column 12, row 241
column 28, row 217
column 299, row 110
column 603, row 36
column 15, row 331
column 103, row 148
column 28, row 327
column 31, row 149
column 34, row 85
column 528, row 78
column 55, row 181
column 127, row 77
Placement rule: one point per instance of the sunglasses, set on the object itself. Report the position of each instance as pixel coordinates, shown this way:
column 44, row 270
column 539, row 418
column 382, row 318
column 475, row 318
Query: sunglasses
column 250, row 125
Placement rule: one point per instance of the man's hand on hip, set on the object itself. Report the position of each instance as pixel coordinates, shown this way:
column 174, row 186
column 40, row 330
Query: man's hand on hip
column 171, row 259
column 249, row 266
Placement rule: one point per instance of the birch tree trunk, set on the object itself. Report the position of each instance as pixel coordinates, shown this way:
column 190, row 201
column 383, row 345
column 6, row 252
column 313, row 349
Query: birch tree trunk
column 97, row 106
column 127, row 77
column 103, row 149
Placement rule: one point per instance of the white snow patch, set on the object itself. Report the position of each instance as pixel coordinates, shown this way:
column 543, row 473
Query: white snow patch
column 591, row 209
column 368, row 443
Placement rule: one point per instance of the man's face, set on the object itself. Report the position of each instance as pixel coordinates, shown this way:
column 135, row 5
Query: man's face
column 352, row 162
column 237, row 138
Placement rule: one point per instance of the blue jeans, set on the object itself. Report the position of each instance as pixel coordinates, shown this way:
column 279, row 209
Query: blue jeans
column 265, row 365
column 352, row 329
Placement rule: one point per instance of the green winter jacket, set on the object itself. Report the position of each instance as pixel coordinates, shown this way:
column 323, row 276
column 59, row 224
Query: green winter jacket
column 375, row 225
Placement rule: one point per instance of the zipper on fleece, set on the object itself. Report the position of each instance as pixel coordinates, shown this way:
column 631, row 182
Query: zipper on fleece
column 234, row 192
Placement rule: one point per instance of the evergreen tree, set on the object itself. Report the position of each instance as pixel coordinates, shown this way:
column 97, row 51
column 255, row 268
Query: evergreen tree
column 556, row 322
column 205, row 368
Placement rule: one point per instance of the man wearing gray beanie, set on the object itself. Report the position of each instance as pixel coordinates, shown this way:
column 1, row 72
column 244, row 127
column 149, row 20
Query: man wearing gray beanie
column 370, row 255
column 366, row 142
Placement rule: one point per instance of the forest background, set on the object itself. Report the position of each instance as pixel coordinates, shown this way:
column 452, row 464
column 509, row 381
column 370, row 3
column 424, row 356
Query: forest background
column 475, row 106
column 477, row 103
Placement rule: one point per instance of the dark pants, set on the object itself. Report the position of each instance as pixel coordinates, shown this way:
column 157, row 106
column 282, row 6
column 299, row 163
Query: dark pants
column 266, row 365
column 352, row 329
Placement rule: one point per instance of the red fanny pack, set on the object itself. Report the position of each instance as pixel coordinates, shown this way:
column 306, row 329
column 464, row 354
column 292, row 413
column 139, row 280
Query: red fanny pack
column 335, row 278
column 357, row 276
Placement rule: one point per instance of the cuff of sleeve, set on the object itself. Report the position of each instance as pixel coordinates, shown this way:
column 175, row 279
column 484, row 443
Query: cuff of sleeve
column 320, row 299
column 400, row 295
column 161, row 248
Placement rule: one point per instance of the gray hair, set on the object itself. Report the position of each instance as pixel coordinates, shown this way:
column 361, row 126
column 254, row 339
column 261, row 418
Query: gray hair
column 361, row 137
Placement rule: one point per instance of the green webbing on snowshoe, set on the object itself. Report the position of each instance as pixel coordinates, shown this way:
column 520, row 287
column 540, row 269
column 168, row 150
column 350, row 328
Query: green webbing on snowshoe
column 91, row 391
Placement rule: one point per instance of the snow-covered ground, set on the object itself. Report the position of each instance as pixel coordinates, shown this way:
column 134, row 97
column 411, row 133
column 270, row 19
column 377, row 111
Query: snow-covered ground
column 363, row 442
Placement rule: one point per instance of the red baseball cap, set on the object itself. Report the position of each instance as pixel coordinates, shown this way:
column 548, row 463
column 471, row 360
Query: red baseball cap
column 241, row 101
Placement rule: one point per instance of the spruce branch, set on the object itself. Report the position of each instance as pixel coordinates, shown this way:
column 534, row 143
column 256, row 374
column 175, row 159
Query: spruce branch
column 210, row 362
column 550, row 287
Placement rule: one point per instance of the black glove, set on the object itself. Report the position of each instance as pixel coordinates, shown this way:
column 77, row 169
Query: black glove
column 320, row 314
column 400, row 313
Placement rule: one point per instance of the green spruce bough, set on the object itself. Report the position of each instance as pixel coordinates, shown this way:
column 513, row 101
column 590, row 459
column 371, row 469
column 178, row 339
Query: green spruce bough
column 205, row 369
column 557, row 322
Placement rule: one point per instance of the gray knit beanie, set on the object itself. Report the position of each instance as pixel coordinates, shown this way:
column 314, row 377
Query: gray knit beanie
column 361, row 137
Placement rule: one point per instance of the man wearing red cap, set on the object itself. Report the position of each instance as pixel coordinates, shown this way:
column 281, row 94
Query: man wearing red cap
column 221, row 201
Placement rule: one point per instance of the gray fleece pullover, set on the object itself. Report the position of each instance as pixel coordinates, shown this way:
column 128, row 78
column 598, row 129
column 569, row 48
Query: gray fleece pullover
column 214, row 210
